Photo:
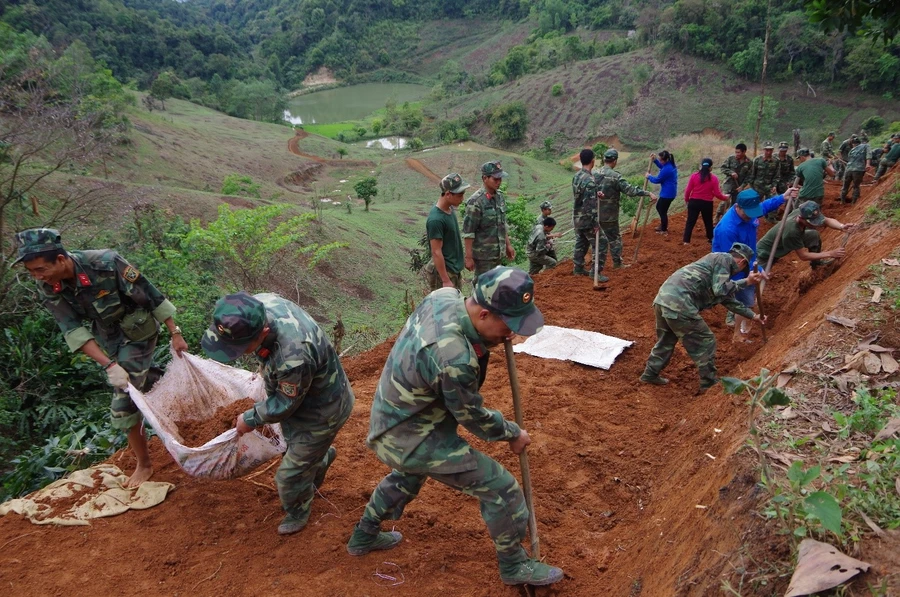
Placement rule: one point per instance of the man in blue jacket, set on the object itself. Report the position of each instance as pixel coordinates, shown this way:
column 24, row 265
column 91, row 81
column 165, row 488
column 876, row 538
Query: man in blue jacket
column 739, row 225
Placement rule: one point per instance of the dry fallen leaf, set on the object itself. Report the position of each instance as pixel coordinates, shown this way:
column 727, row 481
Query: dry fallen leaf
column 865, row 342
column 841, row 321
column 788, row 413
column 890, row 428
column 872, row 363
column 826, row 426
column 889, row 363
column 894, row 262
column 845, row 458
column 820, row 567
column 876, row 294
column 871, row 524
column 897, row 485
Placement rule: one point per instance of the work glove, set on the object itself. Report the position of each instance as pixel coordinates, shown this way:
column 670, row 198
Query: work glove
column 118, row 377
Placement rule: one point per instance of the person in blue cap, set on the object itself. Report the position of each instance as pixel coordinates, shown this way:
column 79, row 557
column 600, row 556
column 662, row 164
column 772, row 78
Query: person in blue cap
column 740, row 224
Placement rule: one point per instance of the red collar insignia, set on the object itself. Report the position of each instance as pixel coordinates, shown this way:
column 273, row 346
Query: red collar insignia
column 84, row 280
column 57, row 287
column 263, row 353
column 479, row 350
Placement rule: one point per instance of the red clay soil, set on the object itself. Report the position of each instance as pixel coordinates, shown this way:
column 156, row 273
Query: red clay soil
column 423, row 170
column 196, row 433
column 637, row 488
column 294, row 148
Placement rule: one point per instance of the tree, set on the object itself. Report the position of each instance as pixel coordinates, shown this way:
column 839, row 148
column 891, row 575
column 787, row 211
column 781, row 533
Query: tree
column 767, row 124
column 366, row 189
column 341, row 152
column 875, row 18
column 164, row 86
column 509, row 122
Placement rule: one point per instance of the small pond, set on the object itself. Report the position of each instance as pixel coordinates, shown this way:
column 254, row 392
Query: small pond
column 349, row 103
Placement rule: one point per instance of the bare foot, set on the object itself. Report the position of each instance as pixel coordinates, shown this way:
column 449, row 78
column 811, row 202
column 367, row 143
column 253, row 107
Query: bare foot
column 140, row 474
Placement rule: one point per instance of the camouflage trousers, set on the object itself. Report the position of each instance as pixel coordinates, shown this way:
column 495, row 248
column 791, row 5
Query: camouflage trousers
column 501, row 500
column 695, row 336
column 610, row 241
column 539, row 262
column 883, row 167
column 852, row 178
column 584, row 240
column 482, row 266
column 435, row 282
column 840, row 167
column 137, row 359
column 303, row 459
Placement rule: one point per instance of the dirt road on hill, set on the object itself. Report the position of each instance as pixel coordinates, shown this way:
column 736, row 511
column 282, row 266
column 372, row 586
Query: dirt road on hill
column 636, row 489
column 294, row 148
column 422, row 169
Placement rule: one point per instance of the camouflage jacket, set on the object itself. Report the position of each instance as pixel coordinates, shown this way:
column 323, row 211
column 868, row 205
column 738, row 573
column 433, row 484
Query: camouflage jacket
column 305, row 382
column 105, row 289
column 430, row 384
column 764, row 175
column 700, row 285
column 827, row 149
column 584, row 190
column 612, row 185
column 730, row 166
column 859, row 158
column 845, row 148
column 537, row 242
column 485, row 223
column 786, row 171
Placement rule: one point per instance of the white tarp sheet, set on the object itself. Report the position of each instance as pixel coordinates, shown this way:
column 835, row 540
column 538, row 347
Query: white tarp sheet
column 580, row 346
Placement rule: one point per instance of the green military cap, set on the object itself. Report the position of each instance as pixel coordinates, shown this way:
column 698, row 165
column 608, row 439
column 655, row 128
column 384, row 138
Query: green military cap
column 453, row 183
column 493, row 169
column 509, row 292
column 237, row 321
column 782, row 145
column 743, row 250
column 854, row 137
column 864, row 138
column 812, row 213
column 895, row 135
column 37, row 240
column 803, row 151
column 546, row 205
column 769, row 145
column 831, row 134
column 611, row 154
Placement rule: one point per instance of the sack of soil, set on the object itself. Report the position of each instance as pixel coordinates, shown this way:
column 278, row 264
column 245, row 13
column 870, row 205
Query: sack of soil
column 193, row 408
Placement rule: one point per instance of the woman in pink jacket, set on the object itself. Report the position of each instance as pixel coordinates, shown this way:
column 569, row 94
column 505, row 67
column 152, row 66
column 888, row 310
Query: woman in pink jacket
column 698, row 194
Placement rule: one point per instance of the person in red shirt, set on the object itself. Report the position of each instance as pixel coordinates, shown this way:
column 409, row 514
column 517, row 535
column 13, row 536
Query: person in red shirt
column 702, row 187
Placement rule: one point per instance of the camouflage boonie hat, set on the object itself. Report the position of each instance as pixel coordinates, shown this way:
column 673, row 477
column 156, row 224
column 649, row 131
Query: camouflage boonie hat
column 782, row 145
column 769, row 145
column 743, row 250
column 509, row 292
column 611, row 154
column 803, row 151
column 36, row 240
column 812, row 213
column 546, row 205
column 453, row 183
column 237, row 321
column 493, row 169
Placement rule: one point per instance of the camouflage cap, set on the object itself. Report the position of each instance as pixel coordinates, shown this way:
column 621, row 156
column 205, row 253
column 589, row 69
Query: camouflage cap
column 782, row 145
column 854, row 136
column 237, row 321
column 895, row 135
column 546, row 205
column 493, row 169
column 812, row 213
column 509, row 292
column 743, row 250
column 36, row 240
column 802, row 152
column 749, row 202
column 453, row 183
column 611, row 154
column 831, row 134
column 864, row 138
column 769, row 145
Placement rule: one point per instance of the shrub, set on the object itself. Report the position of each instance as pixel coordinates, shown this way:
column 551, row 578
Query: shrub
column 556, row 90
column 240, row 185
column 873, row 125
column 509, row 122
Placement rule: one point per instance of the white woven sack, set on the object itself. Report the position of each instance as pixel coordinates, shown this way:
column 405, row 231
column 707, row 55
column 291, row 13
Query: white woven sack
column 193, row 389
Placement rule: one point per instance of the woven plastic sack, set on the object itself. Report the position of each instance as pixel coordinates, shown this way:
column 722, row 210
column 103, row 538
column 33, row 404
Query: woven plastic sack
column 193, row 389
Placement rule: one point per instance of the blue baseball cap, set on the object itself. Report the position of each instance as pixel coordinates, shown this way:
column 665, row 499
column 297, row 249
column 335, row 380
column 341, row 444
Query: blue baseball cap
column 749, row 201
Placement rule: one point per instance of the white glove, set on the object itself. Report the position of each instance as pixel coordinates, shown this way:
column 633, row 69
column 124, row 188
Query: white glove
column 118, row 377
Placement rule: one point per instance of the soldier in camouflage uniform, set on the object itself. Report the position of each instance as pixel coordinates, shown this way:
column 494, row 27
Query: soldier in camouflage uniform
column 844, row 151
column 546, row 210
column 308, row 391
column 890, row 158
column 124, row 309
column 612, row 185
column 430, row 385
column 736, row 171
column 584, row 216
column 828, row 147
column 857, row 164
column 691, row 289
column 538, row 247
column 484, row 227
column 764, row 174
column 786, row 171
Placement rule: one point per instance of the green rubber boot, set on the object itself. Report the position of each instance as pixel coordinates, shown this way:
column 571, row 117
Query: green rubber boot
column 580, row 271
column 362, row 542
column 329, row 458
column 654, row 379
column 291, row 523
column 602, row 278
column 530, row 572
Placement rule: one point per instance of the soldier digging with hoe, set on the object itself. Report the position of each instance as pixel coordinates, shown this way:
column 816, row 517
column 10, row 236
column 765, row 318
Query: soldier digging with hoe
column 124, row 309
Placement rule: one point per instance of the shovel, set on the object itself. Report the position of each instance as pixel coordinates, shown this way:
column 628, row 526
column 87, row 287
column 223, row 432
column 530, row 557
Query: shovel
column 597, row 260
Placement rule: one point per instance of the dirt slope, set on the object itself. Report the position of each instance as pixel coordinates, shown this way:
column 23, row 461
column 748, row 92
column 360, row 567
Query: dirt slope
column 618, row 468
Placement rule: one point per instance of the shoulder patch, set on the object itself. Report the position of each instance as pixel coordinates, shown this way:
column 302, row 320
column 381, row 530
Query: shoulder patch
column 131, row 274
column 288, row 389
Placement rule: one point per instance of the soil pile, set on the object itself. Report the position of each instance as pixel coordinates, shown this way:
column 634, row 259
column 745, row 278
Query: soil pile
column 196, row 433
column 637, row 489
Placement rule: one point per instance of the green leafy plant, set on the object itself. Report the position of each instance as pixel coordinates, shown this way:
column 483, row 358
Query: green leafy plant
column 240, row 185
column 520, row 222
column 366, row 189
column 556, row 90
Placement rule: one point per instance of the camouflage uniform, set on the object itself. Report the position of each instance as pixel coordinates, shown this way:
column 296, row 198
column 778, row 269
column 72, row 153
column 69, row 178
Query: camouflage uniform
column 124, row 309
column 539, row 251
column 730, row 186
column 612, row 185
column 786, row 172
column 308, row 391
column 844, row 150
column 677, row 305
column 764, row 175
column 856, row 169
column 827, row 149
column 485, row 222
column 888, row 161
column 429, row 386
column 584, row 217
column 551, row 250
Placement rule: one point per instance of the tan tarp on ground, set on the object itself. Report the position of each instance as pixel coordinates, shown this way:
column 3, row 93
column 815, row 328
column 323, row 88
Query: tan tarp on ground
column 109, row 497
